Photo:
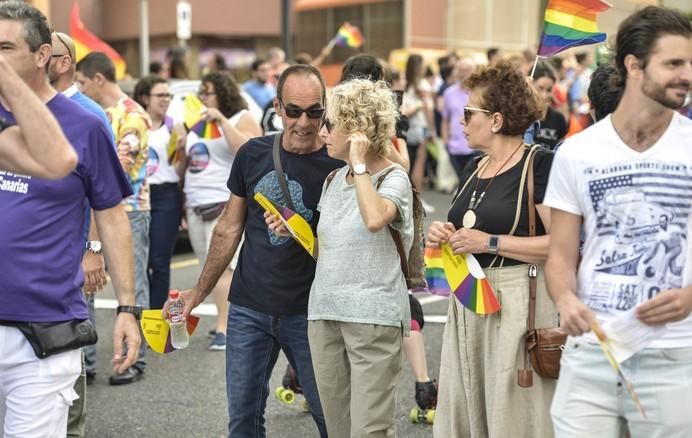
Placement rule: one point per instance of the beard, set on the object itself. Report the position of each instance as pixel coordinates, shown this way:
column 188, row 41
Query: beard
column 658, row 92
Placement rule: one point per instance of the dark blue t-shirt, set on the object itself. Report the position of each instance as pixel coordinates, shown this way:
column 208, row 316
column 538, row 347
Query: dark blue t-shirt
column 42, row 222
column 274, row 274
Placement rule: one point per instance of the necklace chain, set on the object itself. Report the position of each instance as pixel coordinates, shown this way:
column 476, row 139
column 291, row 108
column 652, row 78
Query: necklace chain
column 474, row 203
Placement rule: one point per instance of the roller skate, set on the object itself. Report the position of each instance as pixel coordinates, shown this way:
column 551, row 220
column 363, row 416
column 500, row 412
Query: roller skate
column 426, row 399
column 286, row 393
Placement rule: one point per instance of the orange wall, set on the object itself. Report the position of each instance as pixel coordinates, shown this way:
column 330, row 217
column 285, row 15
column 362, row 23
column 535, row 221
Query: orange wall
column 428, row 28
column 117, row 20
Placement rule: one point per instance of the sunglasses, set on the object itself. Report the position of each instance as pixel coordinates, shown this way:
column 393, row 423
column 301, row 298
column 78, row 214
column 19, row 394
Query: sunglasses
column 295, row 112
column 326, row 123
column 469, row 110
column 69, row 52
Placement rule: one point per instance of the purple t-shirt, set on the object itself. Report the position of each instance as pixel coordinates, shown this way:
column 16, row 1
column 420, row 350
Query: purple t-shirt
column 42, row 222
column 455, row 100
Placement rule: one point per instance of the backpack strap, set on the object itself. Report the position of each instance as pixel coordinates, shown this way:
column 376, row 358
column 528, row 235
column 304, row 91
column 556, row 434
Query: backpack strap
column 280, row 172
column 396, row 235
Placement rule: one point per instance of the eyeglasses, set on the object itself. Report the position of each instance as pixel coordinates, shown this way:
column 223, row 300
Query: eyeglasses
column 162, row 95
column 295, row 112
column 325, row 122
column 69, row 52
column 202, row 94
column 469, row 110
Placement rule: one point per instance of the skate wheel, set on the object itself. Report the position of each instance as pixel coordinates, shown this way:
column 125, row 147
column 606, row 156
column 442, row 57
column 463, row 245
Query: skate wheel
column 304, row 405
column 414, row 416
column 430, row 416
column 284, row 395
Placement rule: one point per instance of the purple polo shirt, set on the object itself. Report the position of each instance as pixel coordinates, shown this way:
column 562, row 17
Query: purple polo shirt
column 42, row 222
column 455, row 100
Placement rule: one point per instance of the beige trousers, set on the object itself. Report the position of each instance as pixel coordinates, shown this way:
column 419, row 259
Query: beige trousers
column 357, row 367
column 479, row 396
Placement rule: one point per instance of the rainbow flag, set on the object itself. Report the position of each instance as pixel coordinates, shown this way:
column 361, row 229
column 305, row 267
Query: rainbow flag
column 86, row 42
column 349, row 35
column 571, row 23
column 468, row 282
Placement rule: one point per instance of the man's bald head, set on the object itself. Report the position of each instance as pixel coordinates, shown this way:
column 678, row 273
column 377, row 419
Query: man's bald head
column 61, row 69
column 63, row 45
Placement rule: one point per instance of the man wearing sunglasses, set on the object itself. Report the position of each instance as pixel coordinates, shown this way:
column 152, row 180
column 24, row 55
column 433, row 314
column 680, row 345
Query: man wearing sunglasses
column 270, row 287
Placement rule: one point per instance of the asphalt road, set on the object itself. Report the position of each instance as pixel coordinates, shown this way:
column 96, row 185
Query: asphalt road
column 183, row 393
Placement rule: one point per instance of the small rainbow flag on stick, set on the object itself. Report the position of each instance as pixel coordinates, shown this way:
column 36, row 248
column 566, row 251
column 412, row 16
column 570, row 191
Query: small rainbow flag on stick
column 571, row 23
column 348, row 35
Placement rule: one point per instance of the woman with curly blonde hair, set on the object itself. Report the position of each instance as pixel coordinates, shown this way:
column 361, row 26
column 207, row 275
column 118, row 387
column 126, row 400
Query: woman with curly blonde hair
column 358, row 311
column 489, row 217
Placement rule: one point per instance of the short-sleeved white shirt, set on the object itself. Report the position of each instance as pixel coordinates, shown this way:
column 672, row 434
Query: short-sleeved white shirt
column 637, row 212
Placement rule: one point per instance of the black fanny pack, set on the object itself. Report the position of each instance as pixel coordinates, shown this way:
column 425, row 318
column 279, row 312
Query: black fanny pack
column 49, row 338
column 209, row 212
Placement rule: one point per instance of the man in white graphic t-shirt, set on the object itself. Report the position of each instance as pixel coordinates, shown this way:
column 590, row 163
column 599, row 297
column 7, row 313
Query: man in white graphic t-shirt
column 628, row 181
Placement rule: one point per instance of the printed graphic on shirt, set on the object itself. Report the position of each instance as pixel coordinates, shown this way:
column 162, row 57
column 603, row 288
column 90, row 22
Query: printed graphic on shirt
column 269, row 187
column 198, row 158
column 11, row 182
column 642, row 210
column 153, row 163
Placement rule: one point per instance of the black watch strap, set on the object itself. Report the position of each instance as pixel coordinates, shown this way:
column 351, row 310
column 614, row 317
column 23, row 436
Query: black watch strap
column 135, row 310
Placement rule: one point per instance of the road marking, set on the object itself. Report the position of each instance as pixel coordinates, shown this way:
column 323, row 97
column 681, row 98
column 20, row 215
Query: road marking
column 203, row 309
column 184, row 263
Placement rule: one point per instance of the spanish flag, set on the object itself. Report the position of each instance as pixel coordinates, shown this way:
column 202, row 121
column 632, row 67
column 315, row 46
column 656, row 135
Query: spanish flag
column 86, row 42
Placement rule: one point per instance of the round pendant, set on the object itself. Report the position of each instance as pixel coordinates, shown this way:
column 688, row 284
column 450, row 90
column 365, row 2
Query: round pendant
column 469, row 219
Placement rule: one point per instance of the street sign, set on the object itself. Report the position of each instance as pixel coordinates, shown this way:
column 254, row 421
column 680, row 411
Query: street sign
column 184, row 15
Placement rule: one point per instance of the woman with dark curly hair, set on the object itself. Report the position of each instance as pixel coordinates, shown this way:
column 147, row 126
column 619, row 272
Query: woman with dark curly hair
column 489, row 217
column 209, row 161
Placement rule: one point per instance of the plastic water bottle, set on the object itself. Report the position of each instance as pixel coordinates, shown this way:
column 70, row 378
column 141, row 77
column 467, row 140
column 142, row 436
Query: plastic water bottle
column 180, row 338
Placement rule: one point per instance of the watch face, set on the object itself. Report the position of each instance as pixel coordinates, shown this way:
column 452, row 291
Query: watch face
column 359, row 169
column 96, row 246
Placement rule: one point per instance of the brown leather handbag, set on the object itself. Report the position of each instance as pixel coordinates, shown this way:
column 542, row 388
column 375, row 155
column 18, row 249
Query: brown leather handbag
column 543, row 347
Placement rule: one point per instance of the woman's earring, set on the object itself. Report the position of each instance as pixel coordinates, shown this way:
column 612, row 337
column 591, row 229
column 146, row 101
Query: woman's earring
column 494, row 130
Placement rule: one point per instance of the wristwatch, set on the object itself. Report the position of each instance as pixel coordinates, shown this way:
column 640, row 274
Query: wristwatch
column 493, row 244
column 135, row 310
column 359, row 169
column 93, row 246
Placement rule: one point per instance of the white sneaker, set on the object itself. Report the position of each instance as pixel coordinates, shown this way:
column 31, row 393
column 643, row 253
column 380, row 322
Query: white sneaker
column 429, row 209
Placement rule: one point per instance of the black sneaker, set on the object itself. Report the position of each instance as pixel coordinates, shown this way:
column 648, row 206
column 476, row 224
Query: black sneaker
column 130, row 375
column 90, row 378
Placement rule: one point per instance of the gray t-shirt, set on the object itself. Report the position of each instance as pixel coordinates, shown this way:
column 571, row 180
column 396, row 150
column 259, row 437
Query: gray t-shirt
column 358, row 277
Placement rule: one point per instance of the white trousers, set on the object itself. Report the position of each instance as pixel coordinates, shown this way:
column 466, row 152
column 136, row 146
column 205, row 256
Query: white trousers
column 35, row 394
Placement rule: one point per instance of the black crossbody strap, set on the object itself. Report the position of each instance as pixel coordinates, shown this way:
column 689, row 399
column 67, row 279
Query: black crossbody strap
column 276, row 150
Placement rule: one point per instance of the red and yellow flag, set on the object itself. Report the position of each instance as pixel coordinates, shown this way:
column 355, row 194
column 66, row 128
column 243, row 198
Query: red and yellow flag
column 86, row 42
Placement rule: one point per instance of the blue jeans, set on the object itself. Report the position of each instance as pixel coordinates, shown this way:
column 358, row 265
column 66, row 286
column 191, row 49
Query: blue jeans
column 139, row 224
column 253, row 343
column 165, row 219
column 590, row 399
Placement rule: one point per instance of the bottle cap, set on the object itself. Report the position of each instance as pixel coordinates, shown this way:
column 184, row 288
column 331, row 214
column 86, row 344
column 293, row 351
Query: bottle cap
column 173, row 294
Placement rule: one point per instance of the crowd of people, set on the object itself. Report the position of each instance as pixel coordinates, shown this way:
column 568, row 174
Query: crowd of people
column 575, row 180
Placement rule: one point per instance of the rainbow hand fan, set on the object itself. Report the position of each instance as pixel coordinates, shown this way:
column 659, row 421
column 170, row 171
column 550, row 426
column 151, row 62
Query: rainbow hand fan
column 157, row 331
column 435, row 272
column 193, row 108
column 467, row 280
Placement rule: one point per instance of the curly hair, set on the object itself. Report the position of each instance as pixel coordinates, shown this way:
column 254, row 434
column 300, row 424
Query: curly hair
column 227, row 92
column 144, row 86
column 504, row 90
column 360, row 105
